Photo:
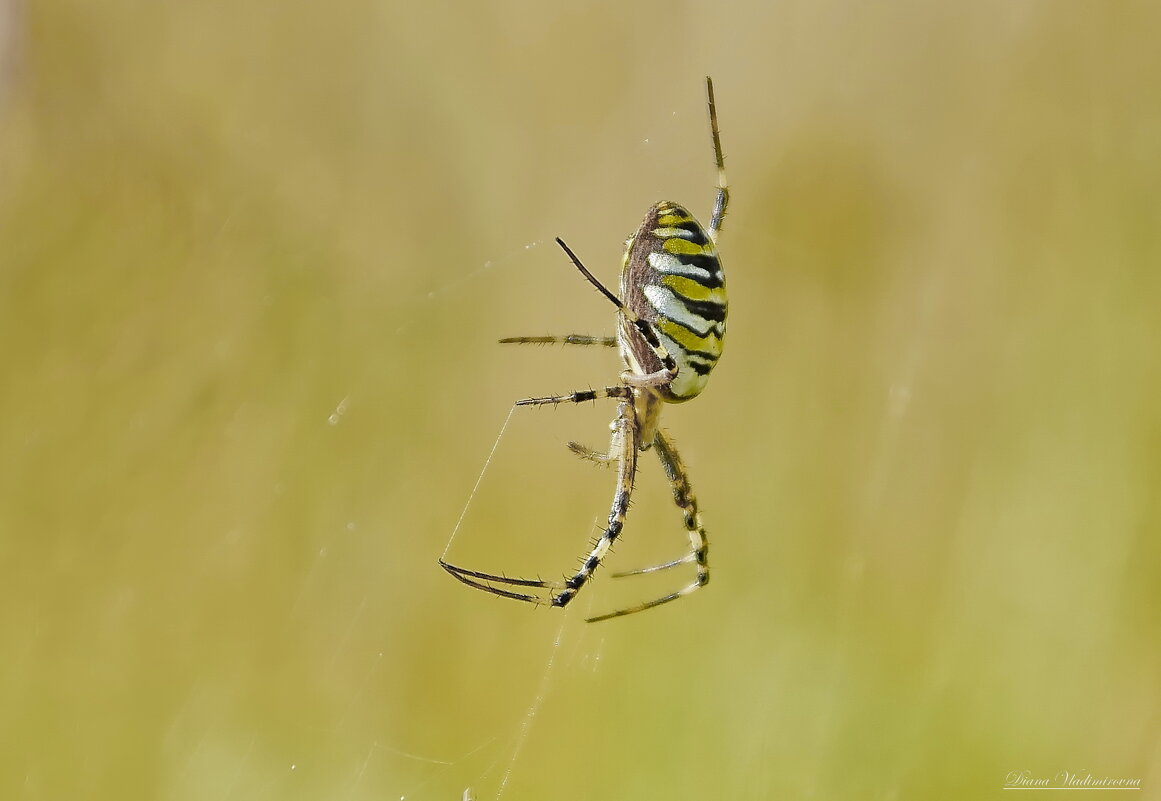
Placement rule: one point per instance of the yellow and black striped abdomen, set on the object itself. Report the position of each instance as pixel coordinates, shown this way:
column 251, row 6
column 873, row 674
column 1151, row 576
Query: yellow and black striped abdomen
column 672, row 277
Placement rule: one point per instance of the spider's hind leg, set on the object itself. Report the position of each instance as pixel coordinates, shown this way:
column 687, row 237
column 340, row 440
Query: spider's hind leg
column 698, row 542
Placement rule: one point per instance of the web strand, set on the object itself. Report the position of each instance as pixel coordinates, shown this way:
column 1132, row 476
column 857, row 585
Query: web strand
column 479, row 480
column 533, row 709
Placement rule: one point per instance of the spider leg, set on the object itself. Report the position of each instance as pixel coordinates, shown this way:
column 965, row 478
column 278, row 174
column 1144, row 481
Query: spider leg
column 588, row 454
column 641, row 571
column 599, row 458
column 487, row 579
column 567, row 339
column 620, row 391
column 625, row 440
column 648, row 332
column 625, row 436
column 723, row 198
column 655, row 379
column 699, row 544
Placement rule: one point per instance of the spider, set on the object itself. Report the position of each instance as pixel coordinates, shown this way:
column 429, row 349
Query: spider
column 671, row 319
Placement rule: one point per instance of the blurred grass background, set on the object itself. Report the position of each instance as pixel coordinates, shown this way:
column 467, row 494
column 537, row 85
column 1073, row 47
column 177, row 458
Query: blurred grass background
column 254, row 259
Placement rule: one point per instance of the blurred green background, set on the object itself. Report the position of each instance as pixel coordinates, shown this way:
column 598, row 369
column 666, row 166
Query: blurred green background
column 254, row 258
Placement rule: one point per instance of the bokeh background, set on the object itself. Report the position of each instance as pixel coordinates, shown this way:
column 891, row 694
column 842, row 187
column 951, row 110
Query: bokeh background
column 254, row 259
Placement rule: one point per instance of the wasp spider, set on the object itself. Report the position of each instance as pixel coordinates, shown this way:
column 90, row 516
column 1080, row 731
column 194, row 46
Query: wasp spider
column 671, row 322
